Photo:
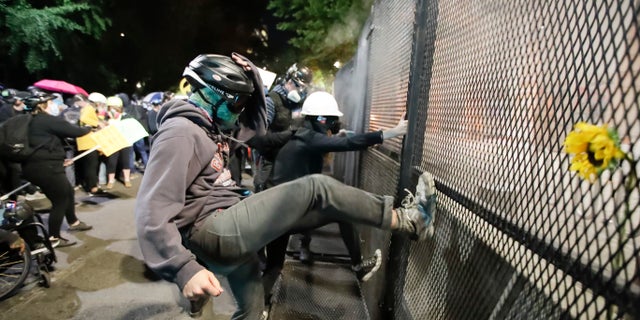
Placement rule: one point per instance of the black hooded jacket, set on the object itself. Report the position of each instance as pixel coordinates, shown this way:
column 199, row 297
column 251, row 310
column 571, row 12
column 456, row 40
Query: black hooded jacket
column 304, row 153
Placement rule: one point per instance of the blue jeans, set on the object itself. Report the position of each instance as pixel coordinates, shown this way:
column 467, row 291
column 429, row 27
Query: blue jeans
column 141, row 148
column 228, row 240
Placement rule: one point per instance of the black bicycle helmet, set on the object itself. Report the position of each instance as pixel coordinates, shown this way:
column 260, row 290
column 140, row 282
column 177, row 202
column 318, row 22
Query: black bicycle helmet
column 220, row 74
column 9, row 95
column 35, row 99
column 300, row 75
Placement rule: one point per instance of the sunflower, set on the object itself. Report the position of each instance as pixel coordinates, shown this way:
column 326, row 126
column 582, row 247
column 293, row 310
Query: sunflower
column 594, row 149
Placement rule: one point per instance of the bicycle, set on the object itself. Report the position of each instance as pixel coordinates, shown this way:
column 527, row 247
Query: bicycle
column 16, row 264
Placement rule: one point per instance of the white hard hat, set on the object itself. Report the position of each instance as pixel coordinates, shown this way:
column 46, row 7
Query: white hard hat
column 97, row 97
column 115, row 101
column 320, row 103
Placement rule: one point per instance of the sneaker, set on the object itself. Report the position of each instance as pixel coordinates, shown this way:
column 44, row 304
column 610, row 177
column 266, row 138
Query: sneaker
column 416, row 215
column 365, row 269
column 81, row 226
column 197, row 306
column 61, row 242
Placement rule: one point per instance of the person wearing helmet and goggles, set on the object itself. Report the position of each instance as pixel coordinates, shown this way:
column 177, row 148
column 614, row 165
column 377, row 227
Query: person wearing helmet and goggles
column 45, row 167
column 218, row 89
column 283, row 101
column 192, row 220
column 296, row 82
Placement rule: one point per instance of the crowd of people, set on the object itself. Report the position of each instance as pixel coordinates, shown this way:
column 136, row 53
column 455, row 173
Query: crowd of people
column 55, row 124
column 197, row 220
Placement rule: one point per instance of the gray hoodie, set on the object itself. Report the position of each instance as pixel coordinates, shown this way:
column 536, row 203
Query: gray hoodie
column 185, row 180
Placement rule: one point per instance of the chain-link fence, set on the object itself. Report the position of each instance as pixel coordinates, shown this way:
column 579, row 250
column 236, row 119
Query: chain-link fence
column 492, row 89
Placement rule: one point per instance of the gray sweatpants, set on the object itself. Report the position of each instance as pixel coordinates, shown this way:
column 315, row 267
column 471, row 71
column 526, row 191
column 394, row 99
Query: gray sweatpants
column 228, row 240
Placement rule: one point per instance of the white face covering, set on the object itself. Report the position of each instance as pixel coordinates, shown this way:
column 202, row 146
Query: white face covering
column 52, row 108
column 294, row 96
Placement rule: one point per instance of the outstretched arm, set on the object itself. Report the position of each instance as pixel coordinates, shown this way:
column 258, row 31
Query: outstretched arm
column 399, row 130
column 270, row 140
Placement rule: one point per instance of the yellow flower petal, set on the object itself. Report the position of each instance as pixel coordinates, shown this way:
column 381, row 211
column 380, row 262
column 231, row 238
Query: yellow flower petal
column 595, row 149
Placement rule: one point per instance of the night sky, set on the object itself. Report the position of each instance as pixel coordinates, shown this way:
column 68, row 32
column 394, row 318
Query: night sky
column 160, row 38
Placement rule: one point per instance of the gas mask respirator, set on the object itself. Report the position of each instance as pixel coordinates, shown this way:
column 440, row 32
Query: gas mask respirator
column 294, row 96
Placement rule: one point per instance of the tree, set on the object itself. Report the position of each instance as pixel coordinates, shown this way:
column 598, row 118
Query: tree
column 326, row 31
column 34, row 33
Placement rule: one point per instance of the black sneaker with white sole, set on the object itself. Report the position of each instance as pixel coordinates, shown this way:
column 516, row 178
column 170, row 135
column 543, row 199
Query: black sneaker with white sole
column 368, row 267
column 61, row 242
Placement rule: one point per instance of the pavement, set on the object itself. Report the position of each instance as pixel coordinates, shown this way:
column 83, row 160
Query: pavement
column 103, row 276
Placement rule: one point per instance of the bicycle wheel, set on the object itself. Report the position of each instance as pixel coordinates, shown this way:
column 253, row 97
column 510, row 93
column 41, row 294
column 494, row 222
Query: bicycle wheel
column 14, row 269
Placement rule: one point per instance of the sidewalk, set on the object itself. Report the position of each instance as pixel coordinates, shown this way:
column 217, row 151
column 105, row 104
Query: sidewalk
column 103, row 276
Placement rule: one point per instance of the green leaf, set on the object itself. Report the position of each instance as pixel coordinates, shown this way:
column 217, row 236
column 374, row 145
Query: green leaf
column 326, row 30
column 36, row 32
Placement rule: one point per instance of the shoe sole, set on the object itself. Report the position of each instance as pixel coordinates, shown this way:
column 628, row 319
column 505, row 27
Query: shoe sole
column 426, row 186
column 55, row 243
column 426, row 189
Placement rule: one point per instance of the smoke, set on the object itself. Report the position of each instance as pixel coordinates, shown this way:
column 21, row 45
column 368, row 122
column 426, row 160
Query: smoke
column 347, row 31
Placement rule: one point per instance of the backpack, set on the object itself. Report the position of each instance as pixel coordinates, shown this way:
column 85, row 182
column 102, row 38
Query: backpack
column 14, row 139
column 282, row 119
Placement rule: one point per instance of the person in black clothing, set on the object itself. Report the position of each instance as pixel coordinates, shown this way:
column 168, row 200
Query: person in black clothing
column 10, row 172
column 12, row 103
column 304, row 155
column 139, row 148
column 282, row 100
column 152, row 115
column 45, row 167
column 87, row 165
column 119, row 159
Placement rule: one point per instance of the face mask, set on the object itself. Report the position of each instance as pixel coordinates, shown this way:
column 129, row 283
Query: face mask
column 323, row 124
column 226, row 119
column 52, row 108
column 294, row 96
